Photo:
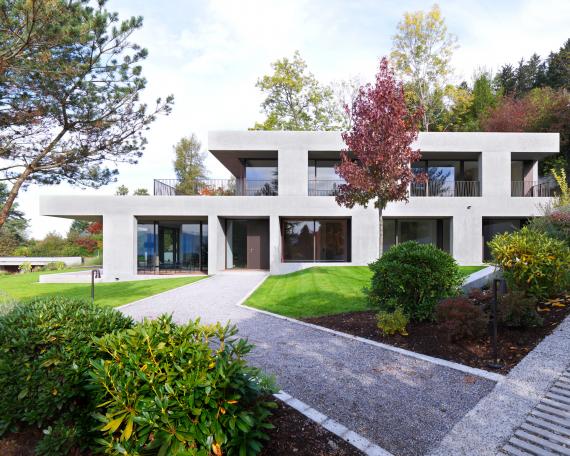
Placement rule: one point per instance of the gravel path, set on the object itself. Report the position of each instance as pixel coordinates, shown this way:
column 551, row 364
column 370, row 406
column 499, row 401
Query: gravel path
column 403, row 404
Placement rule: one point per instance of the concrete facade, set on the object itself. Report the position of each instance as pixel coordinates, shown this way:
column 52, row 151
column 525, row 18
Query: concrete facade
column 493, row 152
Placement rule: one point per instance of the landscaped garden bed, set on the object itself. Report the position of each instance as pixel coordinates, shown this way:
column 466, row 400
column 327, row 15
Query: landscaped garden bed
column 429, row 339
column 293, row 433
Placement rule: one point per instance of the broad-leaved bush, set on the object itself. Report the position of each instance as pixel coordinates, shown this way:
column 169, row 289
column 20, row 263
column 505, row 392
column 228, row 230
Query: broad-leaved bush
column 415, row 277
column 171, row 389
column 460, row 319
column 45, row 352
column 517, row 310
column 532, row 262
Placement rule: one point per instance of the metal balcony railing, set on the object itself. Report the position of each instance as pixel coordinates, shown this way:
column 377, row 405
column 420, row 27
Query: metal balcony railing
column 324, row 187
column 216, row 187
column 532, row 189
column 449, row 189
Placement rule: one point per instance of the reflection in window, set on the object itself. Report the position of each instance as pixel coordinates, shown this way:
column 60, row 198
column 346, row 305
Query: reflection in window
column 315, row 240
column 261, row 178
column 323, row 179
column 172, row 247
column 146, row 245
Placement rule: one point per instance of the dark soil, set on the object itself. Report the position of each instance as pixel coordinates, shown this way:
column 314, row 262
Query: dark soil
column 294, row 434
column 429, row 339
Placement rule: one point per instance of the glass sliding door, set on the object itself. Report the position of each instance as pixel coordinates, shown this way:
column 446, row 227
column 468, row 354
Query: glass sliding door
column 423, row 231
column 146, row 247
column 170, row 247
column 236, row 239
column 315, row 240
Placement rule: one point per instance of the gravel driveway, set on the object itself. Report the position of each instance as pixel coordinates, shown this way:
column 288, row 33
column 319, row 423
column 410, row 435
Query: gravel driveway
column 403, row 404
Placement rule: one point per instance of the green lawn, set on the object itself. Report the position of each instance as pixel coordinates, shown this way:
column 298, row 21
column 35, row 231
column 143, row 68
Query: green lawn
column 318, row 291
column 25, row 286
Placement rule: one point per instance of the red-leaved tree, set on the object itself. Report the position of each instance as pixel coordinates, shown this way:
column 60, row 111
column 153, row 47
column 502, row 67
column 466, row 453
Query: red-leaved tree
column 376, row 164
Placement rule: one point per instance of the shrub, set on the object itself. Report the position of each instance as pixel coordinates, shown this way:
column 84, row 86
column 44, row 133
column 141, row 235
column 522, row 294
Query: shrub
column 414, row 276
column 518, row 311
column 25, row 267
column 532, row 261
column 390, row 323
column 555, row 223
column 45, row 350
column 462, row 319
column 55, row 266
column 179, row 389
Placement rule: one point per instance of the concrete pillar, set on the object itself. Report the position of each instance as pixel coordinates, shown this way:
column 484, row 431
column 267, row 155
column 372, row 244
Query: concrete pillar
column 496, row 173
column 274, row 244
column 467, row 238
column 293, row 165
column 120, row 247
column 216, row 244
column 364, row 228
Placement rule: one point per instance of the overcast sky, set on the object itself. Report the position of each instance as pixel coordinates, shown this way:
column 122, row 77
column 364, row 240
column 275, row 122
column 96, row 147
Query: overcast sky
column 209, row 54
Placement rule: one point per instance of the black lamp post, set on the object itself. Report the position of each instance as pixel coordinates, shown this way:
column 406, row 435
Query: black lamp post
column 495, row 363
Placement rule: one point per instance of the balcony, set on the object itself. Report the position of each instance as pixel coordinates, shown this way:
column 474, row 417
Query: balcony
column 324, row 187
column 446, row 189
column 216, row 187
column 532, row 189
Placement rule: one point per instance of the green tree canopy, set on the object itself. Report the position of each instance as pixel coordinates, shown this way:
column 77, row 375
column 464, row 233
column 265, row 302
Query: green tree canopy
column 421, row 54
column 141, row 192
column 71, row 106
column 295, row 100
column 189, row 164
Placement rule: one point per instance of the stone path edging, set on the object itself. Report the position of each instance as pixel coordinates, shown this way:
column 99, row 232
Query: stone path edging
column 356, row 440
column 441, row 362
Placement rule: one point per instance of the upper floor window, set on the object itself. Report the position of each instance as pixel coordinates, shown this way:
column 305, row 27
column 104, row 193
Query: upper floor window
column 261, row 177
column 447, row 178
column 323, row 179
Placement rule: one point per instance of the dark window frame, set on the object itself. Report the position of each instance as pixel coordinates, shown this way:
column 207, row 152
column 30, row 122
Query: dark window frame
column 347, row 242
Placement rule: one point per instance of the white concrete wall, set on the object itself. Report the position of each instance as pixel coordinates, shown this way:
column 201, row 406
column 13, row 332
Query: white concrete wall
column 120, row 212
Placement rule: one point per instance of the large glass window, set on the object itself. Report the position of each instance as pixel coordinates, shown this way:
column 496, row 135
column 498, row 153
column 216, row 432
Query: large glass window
column 316, row 240
column 261, row 178
column 424, row 231
column 447, row 178
column 323, row 179
column 492, row 227
column 146, row 241
column 172, row 247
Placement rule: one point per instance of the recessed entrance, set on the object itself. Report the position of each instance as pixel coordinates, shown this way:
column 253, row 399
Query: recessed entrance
column 247, row 244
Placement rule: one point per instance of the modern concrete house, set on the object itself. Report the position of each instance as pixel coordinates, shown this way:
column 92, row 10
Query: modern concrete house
column 278, row 212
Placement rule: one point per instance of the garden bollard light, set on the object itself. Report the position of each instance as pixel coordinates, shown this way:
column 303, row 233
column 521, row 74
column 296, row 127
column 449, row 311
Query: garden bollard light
column 95, row 274
column 495, row 364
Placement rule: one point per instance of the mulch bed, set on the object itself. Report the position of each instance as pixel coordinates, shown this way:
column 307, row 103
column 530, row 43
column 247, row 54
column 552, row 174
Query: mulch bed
column 429, row 339
column 294, row 434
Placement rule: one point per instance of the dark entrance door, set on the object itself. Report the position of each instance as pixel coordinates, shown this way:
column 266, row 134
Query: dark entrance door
column 249, row 244
column 258, row 244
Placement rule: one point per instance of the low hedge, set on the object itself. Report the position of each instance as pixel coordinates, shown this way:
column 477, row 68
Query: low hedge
column 45, row 353
column 172, row 389
column 414, row 277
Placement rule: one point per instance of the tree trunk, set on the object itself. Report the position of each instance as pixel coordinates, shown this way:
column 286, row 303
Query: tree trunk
column 12, row 196
column 380, row 232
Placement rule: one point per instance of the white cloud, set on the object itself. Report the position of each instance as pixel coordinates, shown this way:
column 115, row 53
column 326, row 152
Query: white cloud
column 210, row 54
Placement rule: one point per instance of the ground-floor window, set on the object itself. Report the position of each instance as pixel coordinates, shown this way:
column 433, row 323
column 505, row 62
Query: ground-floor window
column 306, row 240
column 170, row 247
column 494, row 226
column 424, row 231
